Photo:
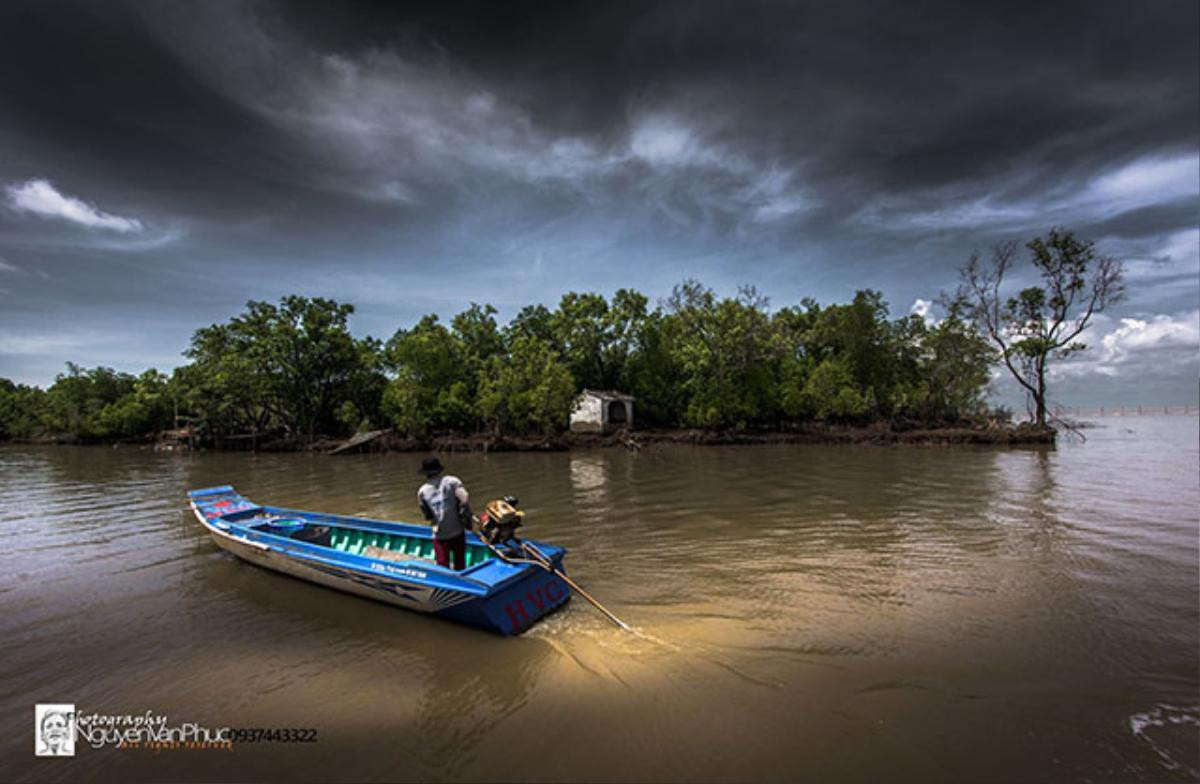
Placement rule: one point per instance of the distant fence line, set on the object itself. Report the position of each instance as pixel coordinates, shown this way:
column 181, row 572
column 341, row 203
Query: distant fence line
column 1101, row 411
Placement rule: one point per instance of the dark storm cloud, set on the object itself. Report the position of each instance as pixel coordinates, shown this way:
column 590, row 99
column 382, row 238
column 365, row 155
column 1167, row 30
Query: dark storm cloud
column 413, row 157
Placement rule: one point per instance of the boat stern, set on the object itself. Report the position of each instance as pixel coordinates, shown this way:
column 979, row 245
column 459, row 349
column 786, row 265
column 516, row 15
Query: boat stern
column 519, row 605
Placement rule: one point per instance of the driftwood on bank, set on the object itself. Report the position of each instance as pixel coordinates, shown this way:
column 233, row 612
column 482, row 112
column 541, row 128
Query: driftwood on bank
column 357, row 440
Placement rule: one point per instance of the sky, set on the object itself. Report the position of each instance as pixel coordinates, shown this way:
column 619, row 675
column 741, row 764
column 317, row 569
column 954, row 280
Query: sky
column 163, row 163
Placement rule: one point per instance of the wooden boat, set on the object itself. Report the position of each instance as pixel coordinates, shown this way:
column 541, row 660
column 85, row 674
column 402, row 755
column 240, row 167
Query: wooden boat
column 388, row 561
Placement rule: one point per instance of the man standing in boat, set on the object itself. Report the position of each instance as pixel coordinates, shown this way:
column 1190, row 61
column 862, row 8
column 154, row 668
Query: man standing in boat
column 445, row 503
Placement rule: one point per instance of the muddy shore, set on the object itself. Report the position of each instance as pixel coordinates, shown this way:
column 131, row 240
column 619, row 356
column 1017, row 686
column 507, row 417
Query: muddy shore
column 882, row 434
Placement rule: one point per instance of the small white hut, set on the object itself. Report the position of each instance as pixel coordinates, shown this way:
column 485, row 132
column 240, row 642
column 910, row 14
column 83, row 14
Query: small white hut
column 598, row 411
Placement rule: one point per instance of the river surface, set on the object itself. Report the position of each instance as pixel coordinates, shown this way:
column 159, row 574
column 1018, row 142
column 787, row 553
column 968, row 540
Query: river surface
column 824, row 613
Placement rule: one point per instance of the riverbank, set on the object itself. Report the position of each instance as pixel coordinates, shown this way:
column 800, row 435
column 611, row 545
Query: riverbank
column 880, row 434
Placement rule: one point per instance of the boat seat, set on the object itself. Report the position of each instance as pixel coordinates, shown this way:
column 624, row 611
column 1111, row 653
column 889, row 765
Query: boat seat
column 388, row 555
column 394, row 547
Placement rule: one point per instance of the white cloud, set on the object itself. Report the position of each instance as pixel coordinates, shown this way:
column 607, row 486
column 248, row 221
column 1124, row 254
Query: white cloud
column 773, row 195
column 1148, row 181
column 391, row 123
column 664, row 141
column 1141, row 183
column 40, row 197
column 1160, row 344
column 6, row 267
column 924, row 309
column 985, row 211
column 1161, row 331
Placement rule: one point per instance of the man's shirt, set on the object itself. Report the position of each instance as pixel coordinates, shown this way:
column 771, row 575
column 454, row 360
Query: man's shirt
column 440, row 500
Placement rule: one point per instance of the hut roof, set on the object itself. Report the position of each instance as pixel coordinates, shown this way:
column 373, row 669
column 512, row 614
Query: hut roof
column 607, row 394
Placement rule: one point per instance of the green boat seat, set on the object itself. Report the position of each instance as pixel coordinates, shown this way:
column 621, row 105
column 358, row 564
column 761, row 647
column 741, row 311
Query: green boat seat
column 355, row 542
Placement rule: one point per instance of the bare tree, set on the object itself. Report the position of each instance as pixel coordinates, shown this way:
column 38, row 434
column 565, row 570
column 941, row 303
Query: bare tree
column 1041, row 323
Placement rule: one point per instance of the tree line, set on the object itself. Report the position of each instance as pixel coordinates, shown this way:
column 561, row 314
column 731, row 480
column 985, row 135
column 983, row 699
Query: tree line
column 696, row 359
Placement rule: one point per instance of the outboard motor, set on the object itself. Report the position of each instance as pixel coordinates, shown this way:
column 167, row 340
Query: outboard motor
column 498, row 527
column 500, row 520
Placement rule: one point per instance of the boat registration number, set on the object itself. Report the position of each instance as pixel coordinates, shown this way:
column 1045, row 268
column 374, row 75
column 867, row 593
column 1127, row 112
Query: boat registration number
column 400, row 570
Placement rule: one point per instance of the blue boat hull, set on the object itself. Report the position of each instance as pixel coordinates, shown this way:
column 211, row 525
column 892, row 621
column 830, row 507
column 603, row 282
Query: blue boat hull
column 386, row 561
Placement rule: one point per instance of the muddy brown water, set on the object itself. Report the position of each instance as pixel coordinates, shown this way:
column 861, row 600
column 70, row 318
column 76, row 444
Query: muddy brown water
column 836, row 613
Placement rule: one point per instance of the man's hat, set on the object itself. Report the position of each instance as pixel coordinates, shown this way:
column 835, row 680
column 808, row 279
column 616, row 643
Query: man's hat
column 431, row 465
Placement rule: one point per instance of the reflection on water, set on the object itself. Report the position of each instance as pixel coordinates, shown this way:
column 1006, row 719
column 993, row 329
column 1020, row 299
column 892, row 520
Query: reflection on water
column 964, row 614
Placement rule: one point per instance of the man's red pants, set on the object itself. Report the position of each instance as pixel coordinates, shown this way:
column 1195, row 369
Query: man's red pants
column 444, row 548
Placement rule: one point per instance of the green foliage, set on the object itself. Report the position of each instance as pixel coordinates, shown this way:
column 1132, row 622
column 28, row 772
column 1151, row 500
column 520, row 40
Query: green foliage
column 651, row 373
column 594, row 337
column 872, row 353
column 77, row 398
column 225, row 388
column 726, row 355
column 696, row 360
column 533, row 321
column 530, row 390
column 88, row 404
column 309, row 355
column 147, row 408
column 290, row 366
column 365, row 386
column 832, row 394
column 954, row 368
column 431, row 391
column 477, row 334
column 21, row 410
